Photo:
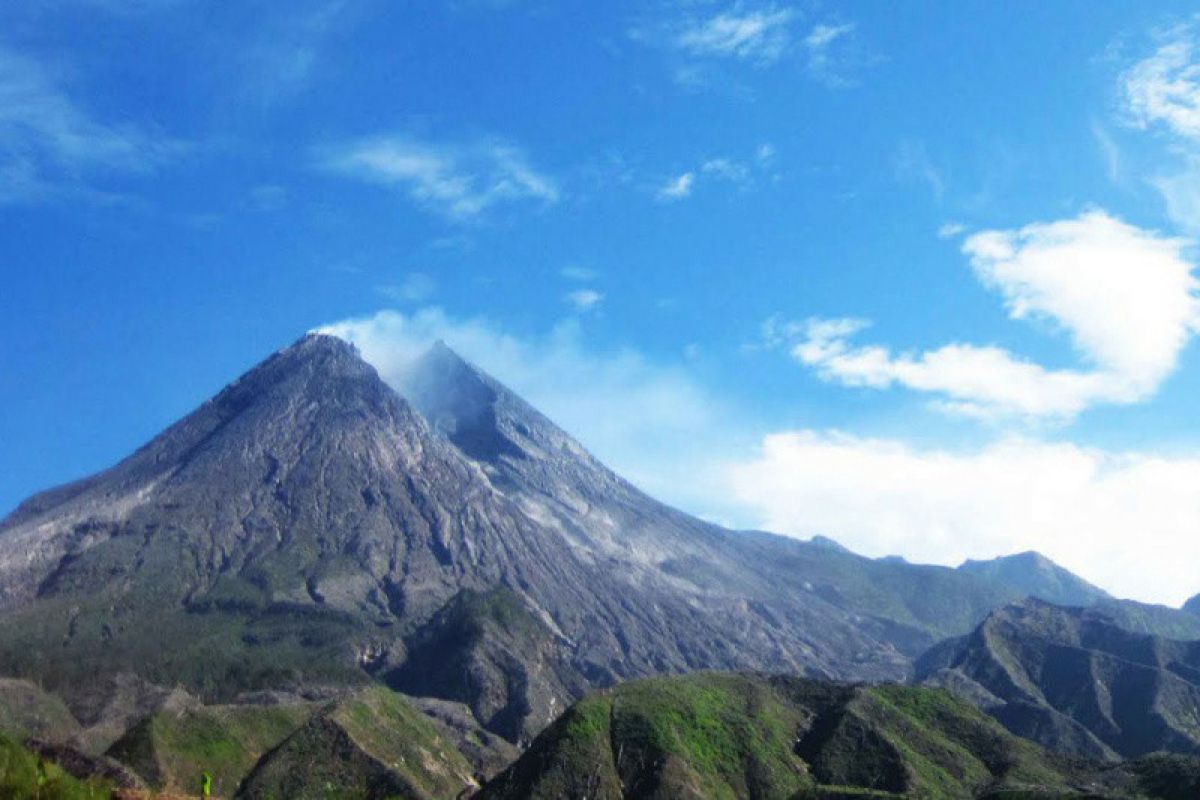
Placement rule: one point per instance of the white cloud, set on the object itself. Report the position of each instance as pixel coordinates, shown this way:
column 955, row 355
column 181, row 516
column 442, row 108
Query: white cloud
column 49, row 144
column 1126, row 521
column 677, row 188
column 1126, row 297
column 458, row 182
column 761, row 35
column 651, row 422
column 1164, row 89
column 584, row 299
column 949, row 230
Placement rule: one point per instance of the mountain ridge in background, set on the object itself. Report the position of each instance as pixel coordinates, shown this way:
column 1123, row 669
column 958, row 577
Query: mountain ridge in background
column 1037, row 576
column 1075, row 681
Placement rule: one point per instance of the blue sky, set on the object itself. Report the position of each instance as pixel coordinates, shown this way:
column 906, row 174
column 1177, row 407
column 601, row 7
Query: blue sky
column 919, row 279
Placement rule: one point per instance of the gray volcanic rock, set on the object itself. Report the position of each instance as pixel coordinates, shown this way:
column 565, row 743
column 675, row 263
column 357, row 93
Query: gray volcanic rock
column 1072, row 680
column 309, row 528
column 819, row 585
column 305, row 510
column 489, row 651
column 296, row 529
column 1037, row 576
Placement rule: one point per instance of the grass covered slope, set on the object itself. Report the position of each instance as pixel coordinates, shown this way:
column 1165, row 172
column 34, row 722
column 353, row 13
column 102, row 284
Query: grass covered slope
column 24, row 776
column 370, row 746
column 26, row 710
column 728, row 735
column 170, row 750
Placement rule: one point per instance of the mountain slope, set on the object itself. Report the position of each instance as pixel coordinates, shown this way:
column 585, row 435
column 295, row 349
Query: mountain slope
column 299, row 527
column 279, row 532
column 1074, row 681
column 309, row 526
column 1037, row 576
column 372, row 745
column 556, row 480
column 751, row 736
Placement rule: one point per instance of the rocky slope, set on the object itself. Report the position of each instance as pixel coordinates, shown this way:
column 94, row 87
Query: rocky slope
column 1075, row 681
column 299, row 527
column 311, row 527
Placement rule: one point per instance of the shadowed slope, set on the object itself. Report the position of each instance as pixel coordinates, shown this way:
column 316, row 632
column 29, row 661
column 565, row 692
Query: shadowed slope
column 1073, row 680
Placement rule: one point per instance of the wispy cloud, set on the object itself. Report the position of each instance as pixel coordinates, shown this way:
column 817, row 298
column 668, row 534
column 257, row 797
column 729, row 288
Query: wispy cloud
column 51, row 145
column 458, row 182
column 284, row 56
column 949, row 230
column 414, row 288
column 820, row 46
column 574, row 272
column 727, row 169
column 760, row 35
column 1126, row 297
column 584, row 299
column 706, row 44
column 740, row 173
column 913, row 164
column 1162, row 93
column 677, row 188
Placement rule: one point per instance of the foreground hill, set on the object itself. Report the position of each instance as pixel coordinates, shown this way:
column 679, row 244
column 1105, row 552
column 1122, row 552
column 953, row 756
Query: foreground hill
column 751, row 736
column 1075, row 681
column 705, row 736
column 370, row 743
column 311, row 527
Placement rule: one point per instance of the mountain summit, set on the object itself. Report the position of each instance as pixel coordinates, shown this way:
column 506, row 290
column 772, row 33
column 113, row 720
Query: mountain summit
column 309, row 526
column 1038, row 577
